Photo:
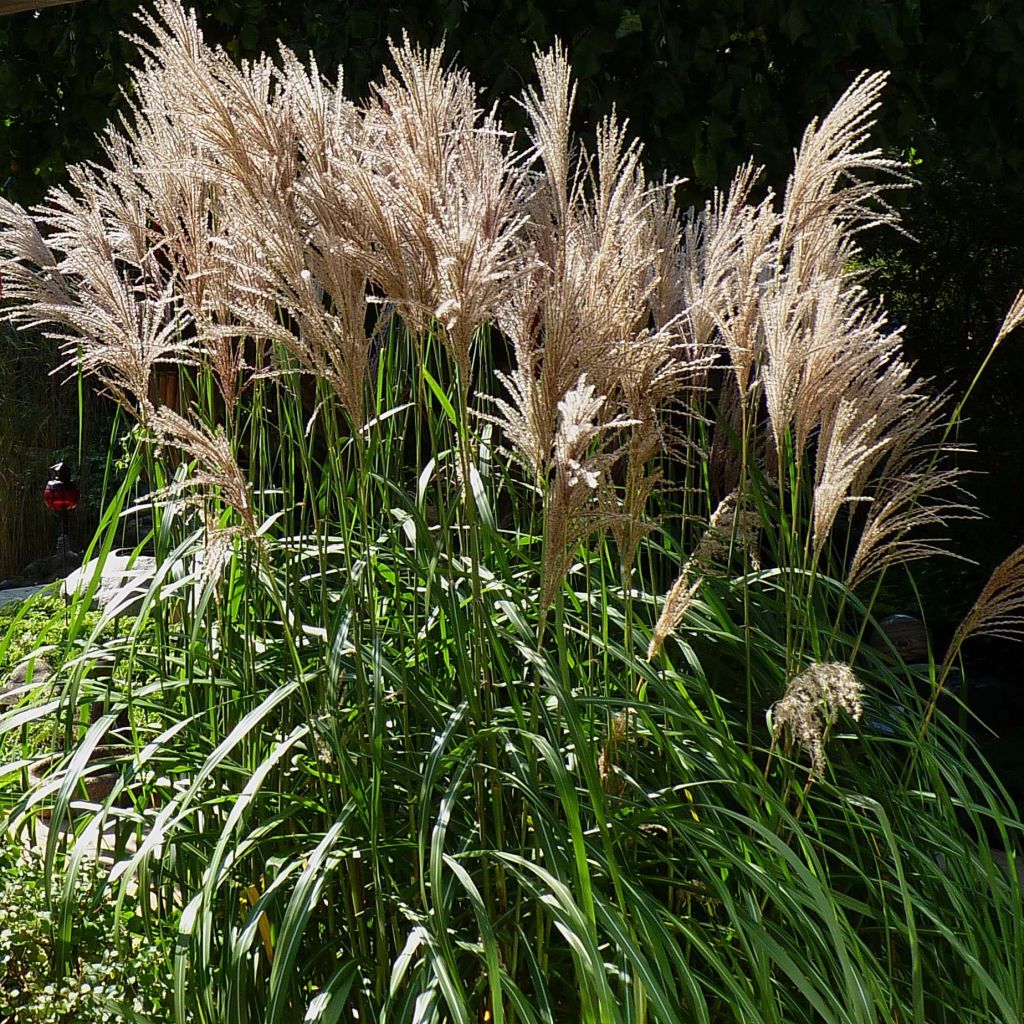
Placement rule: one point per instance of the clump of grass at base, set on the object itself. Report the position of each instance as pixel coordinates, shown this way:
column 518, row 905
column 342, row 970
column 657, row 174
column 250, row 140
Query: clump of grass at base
column 414, row 734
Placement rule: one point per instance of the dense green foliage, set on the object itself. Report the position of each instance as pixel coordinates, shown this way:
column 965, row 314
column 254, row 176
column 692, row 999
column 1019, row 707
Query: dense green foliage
column 705, row 85
column 333, row 813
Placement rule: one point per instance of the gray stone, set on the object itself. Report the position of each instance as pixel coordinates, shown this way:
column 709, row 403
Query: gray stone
column 17, row 594
column 61, row 562
column 36, row 671
column 1000, row 859
column 123, row 582
column 907, row 635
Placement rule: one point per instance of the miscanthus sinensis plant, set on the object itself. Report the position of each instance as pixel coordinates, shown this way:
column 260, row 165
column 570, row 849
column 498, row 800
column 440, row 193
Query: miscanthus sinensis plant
column 517, row 536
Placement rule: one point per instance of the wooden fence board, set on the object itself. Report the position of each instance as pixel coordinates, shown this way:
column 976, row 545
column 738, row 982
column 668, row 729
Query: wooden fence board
column 16, row 6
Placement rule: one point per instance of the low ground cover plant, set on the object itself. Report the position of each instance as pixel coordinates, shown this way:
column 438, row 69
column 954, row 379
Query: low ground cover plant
column 40, row 627
column 98, row 981
column 519, row 541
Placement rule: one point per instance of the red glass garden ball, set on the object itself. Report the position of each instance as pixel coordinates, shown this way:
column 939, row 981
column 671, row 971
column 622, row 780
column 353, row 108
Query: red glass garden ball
column 60, row 496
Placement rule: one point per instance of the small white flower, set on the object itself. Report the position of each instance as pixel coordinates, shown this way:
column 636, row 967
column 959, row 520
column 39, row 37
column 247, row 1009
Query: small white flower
column 581, row 474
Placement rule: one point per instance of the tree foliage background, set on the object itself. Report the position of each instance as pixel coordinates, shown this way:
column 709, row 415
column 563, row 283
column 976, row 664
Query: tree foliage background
column 705, row 85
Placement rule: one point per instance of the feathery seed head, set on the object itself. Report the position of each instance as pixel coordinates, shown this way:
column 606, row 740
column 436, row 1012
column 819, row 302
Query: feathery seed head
column 673, row 609
column 734, row 522
column 608, row 760
column 811, row 706
column 999, row 608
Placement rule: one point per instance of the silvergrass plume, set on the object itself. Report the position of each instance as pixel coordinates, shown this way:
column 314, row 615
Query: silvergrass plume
column 734, row 523
column 586, row 446
column 608, row 762
column 597, row 258
column 216, row 483
column 256, row 208
column 217, row 468
column 774, row 289
column 811, row 705
column 999, row 608
column 427, row 199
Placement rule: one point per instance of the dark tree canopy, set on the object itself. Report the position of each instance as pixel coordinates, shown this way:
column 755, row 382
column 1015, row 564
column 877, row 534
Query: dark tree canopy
column 705, row 85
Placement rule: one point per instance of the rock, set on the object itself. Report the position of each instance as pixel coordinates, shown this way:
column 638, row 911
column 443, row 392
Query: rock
column 135, row 525
column 34, row 671
column 908, row 635
column 1001, row 860
column 17, row 594
column 102, row 771
column 123, row 582
column 62, row 561
column 888, row 720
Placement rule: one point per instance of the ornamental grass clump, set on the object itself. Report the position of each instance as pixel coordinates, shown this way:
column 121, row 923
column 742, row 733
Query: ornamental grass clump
column 431, row 416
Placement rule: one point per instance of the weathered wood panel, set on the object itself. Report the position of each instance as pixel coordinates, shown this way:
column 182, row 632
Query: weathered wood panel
column 15, row 6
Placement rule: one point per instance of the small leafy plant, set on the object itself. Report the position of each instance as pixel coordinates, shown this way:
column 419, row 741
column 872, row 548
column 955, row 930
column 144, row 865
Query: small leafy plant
column 91, row 981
